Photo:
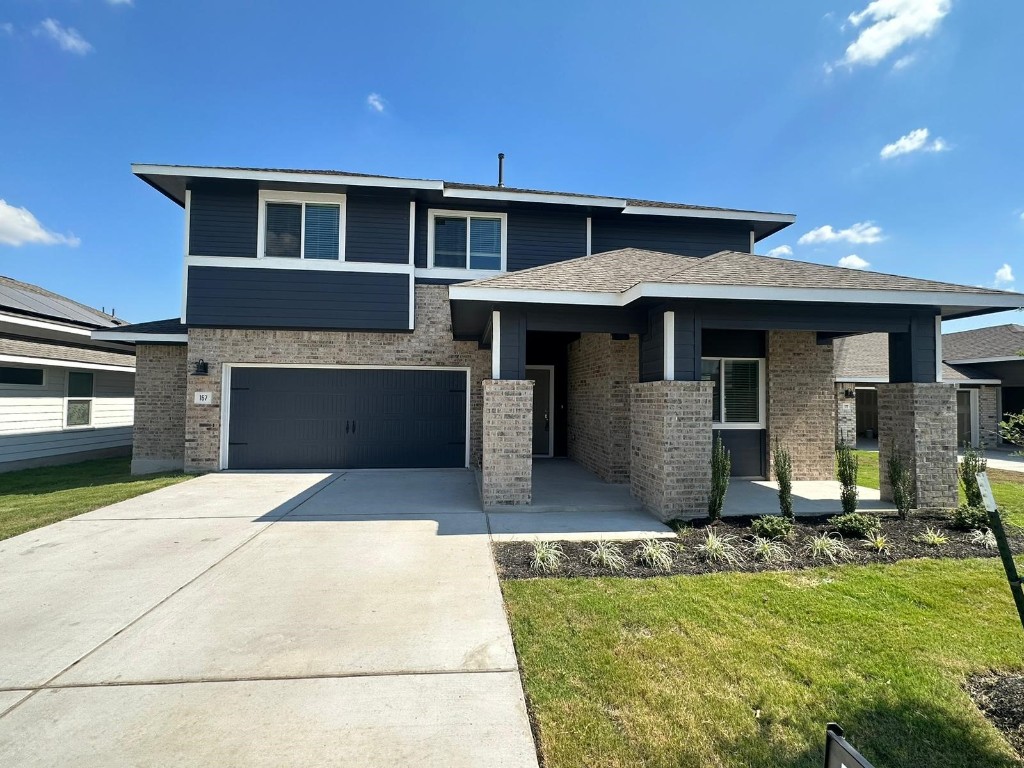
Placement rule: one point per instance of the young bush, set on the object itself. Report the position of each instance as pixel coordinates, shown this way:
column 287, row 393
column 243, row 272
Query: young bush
column 772, row 527
column 719, row 548
column 721, row 466
column 973, row 462
column 825, row 546
column 902, row 483
column 782, row 464
column 846, row 473
column 877, row 543
column 605, row 554
column 968, row 518
column 547, row 556
column 655, row 553
column 769, row 551
column 1012, row 430
column 855, row 525
column 984, row 538
column 933, row 537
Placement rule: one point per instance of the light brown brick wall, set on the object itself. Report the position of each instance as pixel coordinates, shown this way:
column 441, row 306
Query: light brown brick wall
column 670, row 470
column 160, row 384
column 988, row 416
column 601, row 372
column 919, row 420
column 846, row 415
column 801, row 402
column 507, row 450
column 429, row 345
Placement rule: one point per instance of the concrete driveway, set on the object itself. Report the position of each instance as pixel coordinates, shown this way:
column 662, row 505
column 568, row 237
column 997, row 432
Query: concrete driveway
column 263, row 620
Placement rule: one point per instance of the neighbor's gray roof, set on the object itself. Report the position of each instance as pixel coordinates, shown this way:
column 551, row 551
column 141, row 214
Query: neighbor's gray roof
column 26, row 299
column 618, row 271
column 171, row 325
column 981, row 343
column 866, row 358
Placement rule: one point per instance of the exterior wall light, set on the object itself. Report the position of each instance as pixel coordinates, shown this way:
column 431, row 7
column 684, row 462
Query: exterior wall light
column 200, row 368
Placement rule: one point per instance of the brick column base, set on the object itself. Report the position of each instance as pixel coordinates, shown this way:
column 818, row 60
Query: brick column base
column 919, row 420
column 670, row 457
column 507, row 461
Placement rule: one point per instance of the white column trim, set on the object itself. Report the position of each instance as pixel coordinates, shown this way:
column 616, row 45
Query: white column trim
column 669, row 334
column 495, row 344
column 588, row 237
column 751, row 241
column 938, row 347
column 412, row 232
column 184, row 269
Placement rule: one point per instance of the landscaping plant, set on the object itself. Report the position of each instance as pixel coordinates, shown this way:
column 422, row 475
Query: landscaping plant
column 607, row 555
column 655, row 553
column 846, row 473
column 769, row 551
column 547, row 556
column 972, row 463
column 721, row 466
column 856, row 525
column 1012, row 429
column 969, row 518
column 984, row 538
column 782, row 465
column 877, row 543
column 719, row 548
column 933, row 537
column 826, row 546
column 902, row 483
column 772, row 527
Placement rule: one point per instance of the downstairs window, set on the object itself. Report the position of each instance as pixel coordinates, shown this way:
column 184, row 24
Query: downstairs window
column 738, row 395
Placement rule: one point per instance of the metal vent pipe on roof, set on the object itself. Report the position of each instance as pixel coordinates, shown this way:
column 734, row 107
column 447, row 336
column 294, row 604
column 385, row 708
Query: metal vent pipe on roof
column 501, row 169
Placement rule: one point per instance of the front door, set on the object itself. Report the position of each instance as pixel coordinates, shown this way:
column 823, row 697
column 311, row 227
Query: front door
column 543, row 405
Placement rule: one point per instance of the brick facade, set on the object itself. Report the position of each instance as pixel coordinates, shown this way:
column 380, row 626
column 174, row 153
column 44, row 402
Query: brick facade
column 670, row 467
column 429, row 345
column 159, row 433
column 507, row 443
column 801, row 402
column 601, row 372
column 919, row 420
column 846, row 415
column 988, row 416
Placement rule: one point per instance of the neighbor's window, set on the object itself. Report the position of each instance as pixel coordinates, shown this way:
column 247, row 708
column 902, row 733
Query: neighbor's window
column 737, row 390
column 26, row 376
column 302, row 229
column 80, row 396
column 467, row 241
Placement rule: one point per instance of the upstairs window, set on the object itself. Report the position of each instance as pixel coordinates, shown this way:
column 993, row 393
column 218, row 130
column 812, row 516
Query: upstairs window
column 738, row 395
column 463, row 240
column 79, row 401
column 297, row 226
column 32, row 377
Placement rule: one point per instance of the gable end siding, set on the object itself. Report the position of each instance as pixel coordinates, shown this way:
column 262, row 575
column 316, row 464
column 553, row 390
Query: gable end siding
column 668, row 235
column 223, row 221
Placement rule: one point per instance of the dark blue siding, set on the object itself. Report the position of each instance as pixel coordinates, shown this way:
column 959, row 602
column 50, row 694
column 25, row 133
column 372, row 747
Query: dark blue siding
column 688, row 345
column 223, row 220
column 297, row 298
column 377, row 229
column 748, row 450
column 668, row 234
column 513, row 344
column 912, row 354
column 736, row 343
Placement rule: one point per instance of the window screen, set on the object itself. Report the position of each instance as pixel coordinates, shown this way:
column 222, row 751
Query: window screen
column 742, row 391
column 79, row 384
column 450, row 242
column 29, row 376
column 322, row 223
column 484, row 243
column 284, row 230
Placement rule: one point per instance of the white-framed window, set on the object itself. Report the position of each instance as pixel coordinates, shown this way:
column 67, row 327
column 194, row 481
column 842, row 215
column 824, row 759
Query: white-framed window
column 466, row 240
column 301, row 225
column 79, row 399
column 15, row 376
column 739, row 393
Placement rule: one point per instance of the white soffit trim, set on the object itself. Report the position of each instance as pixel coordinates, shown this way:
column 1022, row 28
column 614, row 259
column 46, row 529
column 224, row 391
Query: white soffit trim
column 153, row 338
column 54, row 363
column 669, row 336
column 709, row 213
column 938, row 347
column 975, row 360
column 31, row 323
column 290, row 177
column 315, row 265
column 533, row 197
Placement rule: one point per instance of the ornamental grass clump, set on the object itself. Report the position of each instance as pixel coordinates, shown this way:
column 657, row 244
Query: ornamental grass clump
column 782, row 465
column 656, row 554
column 826, row 546
column 972, row 463
column 877, row 543
column 984, row 538
column 605, row 554
column 846, row 473
column 721, row 467
column 547, row 556
column 933, row 537
column 772, row 527
column 719, row 548
column 769, row 551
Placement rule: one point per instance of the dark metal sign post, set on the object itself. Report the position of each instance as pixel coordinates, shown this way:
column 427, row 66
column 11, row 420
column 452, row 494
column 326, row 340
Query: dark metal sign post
column 1005, row 553
column 839, row 753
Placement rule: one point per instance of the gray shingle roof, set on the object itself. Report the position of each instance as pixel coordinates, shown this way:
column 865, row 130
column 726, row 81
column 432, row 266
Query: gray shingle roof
column 866, row 358
column 171, row 325
column 21, row 298
column 994, row 341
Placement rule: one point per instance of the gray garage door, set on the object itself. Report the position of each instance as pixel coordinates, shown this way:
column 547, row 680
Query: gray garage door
column 299, row 418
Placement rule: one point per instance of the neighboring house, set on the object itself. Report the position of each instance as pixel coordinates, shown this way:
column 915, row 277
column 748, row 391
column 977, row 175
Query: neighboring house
column 334, row 320
column 63, row 396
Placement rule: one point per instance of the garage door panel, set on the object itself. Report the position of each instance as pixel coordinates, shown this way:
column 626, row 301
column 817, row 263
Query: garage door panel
column 290, row 418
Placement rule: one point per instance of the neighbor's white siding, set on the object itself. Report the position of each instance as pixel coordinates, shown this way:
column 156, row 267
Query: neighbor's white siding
column 32, row 418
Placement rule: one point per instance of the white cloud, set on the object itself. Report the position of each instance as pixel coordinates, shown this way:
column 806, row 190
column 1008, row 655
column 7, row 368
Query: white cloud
column 1022, row 217
column 7, row 28
column 121, row 2
column 853, row 261
column 780, row 252
column 1004, row 276
column 861, row 232
column 915, row 141
column 68, row 38
column 892, row 23
column 376, row 102
column 904, row 61
column 18, row 226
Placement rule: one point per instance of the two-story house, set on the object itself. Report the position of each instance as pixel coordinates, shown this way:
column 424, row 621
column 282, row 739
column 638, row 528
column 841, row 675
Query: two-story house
column 334, row 320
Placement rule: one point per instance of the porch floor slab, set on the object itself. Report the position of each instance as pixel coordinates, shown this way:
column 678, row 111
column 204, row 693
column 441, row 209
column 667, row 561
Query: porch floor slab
column 810, row 497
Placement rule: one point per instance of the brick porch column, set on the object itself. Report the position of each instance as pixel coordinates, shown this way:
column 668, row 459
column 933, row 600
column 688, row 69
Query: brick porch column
column 670, row 456
column 507, row 462
column 846, row 415
column 919, row 420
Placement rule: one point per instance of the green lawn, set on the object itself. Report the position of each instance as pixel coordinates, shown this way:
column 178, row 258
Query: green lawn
column 746, row 669
column 32, row 498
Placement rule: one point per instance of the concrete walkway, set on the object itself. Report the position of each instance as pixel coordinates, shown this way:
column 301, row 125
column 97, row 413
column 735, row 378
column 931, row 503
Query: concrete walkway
column 263, row 620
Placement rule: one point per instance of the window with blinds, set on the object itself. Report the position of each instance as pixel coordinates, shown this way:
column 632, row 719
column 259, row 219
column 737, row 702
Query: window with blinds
column 466, row 241
column 737, row 391
column 302, row 229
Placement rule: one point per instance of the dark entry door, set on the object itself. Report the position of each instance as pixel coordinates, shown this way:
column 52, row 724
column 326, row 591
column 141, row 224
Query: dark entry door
column 303, row 418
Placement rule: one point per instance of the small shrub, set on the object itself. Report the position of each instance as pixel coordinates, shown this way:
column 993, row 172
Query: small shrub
column 605, row 554
column 933, row 537
column 846, row 473
column 984, row 538
column 856, row 525
column 973, row 462
column 547, row 556
column 782, row 465
column 968, row 518
column 901, row 481
column 826, row 546
column 719, row 548
column 772, row 527
column 769, row 551
column 1012, row 430
column 877, row 543
column 655, row 553
column 721, row 466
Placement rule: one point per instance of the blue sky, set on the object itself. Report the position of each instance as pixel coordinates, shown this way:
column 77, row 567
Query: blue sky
column 773, row 106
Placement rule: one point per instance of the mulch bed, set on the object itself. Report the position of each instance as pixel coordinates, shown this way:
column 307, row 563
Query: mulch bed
column 1000, row 697
column 514, row 558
